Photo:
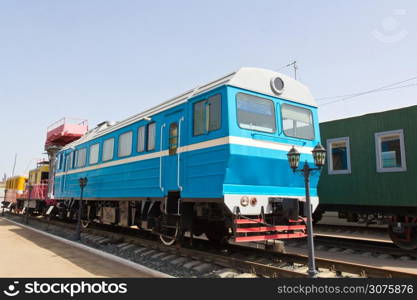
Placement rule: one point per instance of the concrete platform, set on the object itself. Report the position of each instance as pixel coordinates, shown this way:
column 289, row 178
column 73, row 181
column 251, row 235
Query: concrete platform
column 25, row 253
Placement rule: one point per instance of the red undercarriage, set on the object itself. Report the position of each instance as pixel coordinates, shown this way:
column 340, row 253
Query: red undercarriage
column 252, row 230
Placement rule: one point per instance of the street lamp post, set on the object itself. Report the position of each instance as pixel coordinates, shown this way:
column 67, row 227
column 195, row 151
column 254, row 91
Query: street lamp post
column 83, row 182
column 319, row 155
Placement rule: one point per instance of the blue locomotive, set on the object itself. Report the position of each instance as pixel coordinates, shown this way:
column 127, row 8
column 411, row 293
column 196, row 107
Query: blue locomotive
column 212, row 160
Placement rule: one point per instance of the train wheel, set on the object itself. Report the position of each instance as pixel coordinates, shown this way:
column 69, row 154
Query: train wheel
column 62, row 214
column 407, row 238
column 317, row 216
column 217, row 233
column 85, row 223
column 170, row 230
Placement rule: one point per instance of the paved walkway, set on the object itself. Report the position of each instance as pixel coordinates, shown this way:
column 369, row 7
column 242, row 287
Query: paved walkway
column 24, row 253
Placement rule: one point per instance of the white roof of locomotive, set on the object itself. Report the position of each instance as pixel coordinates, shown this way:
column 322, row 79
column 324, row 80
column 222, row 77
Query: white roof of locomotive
column 253, row 79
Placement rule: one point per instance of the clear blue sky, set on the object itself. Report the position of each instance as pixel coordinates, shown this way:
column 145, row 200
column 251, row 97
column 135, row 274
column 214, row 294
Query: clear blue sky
column 107, row 60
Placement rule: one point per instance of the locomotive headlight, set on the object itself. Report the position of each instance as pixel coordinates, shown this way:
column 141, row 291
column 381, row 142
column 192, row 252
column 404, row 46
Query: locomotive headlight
column 244, row 201
column 277, row 85
column 253, row 201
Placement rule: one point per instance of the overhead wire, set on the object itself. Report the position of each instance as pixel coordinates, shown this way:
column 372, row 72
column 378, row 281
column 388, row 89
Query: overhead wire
column 379, row 89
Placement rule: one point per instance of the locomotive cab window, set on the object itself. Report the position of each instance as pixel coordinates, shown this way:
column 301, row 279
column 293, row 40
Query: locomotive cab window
column 255, row 113
column 207, row 115
column 173, row 138
column 44, row 176
column 108, row 148
column 339, row 156
column 390, row 151
column 125, row 144
column 297, row 122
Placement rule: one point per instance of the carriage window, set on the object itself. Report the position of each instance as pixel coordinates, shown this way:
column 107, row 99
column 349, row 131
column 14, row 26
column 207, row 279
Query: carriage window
column 390, row 151
column 339, row 156
column 94, row 153
column 207, row 115
column 125, row 144
column 173, row 138
column 255, row 113
column 108, row 148
column 81, row 157
column 151, row 136
column 297, row 122
column 141, row 139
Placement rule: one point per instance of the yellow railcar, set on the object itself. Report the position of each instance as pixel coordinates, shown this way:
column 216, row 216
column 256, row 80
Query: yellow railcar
column 15, row 187
column 16, row 183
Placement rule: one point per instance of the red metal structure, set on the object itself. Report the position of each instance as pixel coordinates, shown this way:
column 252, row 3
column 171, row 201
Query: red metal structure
column 252, row 230
column 65, row 131
column 39, row 191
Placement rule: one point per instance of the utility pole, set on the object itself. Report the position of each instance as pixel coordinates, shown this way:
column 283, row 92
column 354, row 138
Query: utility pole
column 14, row 164
column 294, row 65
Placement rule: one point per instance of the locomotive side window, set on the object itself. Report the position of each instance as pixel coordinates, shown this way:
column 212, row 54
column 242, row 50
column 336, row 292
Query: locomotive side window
column 198, row 117
column 151, row 136
column 61, row 161
column 173, row 138
column 71, row 160
column 141, row 139
column 390, row 151
column 94, row 153
column 255, row 113
column 81, row 157
column 58, row 162
column 68, row 161
column 207, row 115
column 297, row 122
column 339, row 155
column 125, row 144
column 108, row 148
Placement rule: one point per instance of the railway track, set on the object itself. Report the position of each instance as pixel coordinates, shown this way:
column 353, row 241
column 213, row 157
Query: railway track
column 242, row 258
column 360, row 239
column 380, row 232
column 339, row 244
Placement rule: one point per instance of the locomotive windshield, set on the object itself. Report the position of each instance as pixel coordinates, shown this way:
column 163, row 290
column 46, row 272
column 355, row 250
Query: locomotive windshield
column 255, row 113
column 297, row 122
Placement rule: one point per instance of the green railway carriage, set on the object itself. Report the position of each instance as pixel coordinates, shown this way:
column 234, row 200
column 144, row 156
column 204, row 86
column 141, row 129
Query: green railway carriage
column 371, row 172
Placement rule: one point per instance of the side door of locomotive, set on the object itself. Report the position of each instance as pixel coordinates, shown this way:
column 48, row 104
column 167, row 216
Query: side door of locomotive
column 173, row 131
